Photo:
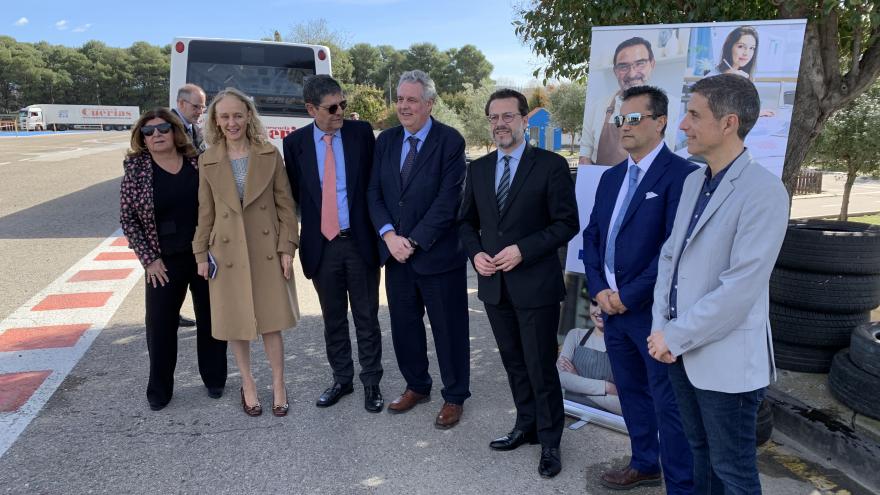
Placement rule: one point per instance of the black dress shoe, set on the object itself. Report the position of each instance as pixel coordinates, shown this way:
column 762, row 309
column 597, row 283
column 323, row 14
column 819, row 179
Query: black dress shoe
column 551, row 462
column 513, row 440
column 186, row 322
column 215, row 392
column 333, row 394
column 373, row 401
column 158, row 406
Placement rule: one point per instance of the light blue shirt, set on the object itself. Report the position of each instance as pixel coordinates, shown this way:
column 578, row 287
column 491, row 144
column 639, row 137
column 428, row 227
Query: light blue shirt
column 421, row 134
column 515, row 157
column 339, row 157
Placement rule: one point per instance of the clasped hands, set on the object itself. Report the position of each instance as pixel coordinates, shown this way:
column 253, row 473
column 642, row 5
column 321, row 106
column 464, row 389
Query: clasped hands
column 399, row 246
column 507, row 259
column 610, row 302
column 658, row 349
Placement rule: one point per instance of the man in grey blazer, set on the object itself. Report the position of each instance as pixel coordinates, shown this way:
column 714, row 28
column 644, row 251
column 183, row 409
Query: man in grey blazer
column 711, row 298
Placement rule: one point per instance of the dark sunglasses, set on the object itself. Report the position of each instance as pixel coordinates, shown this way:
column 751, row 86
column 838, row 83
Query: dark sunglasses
column 163, row 128
column 632, row 118
column 334, row 107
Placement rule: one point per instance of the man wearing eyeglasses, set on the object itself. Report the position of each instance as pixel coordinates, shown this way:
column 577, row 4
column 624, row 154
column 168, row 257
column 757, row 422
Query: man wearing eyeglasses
column 600, row 139
column 632, row 216
column 190, row 107
column 519, row 208
column 329, row 163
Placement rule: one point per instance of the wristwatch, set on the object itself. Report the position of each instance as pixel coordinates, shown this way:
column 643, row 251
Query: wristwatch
column 413, row 242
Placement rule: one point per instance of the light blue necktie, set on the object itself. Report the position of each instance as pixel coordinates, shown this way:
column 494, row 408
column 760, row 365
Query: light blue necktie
column 615, row 229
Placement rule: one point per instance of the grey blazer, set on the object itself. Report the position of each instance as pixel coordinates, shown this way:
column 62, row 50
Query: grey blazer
column 722, row 332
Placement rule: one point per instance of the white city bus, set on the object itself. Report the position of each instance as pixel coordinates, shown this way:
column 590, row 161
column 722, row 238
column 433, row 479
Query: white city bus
column 272, row 73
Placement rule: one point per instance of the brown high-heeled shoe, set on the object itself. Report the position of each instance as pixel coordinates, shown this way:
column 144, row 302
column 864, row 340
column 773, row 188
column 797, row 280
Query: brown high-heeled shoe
column 281, row 410
column 254, row 410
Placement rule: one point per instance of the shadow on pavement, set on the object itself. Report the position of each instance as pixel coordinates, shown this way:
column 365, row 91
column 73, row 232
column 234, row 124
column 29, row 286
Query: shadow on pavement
column 90, row 212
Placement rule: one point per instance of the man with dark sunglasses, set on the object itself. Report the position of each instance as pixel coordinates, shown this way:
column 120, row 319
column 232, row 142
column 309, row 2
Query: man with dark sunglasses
column 633, row 215
column 329, row 163
column 633, row 64
column 191, row 101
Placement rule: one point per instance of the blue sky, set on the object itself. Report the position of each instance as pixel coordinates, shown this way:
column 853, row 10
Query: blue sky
column 400, row 23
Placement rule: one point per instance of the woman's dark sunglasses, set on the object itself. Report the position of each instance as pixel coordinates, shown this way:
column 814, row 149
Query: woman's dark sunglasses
column 163, row 128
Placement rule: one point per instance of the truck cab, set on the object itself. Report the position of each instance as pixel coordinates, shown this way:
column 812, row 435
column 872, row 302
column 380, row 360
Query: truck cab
column 31, row 119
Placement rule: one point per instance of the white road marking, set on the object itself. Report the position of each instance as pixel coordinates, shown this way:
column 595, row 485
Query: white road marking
column 61, row 360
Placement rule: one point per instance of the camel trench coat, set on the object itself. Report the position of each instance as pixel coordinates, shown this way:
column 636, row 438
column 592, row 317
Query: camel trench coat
column 249, row 295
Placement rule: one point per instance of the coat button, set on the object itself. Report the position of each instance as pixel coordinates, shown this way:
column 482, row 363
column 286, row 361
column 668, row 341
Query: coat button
column 265, row 231
column 500, row 233
column 262, row 207
column 225, row 239
column 228, row 264
column 269, row 257
column 225, row 214
column 400, row 204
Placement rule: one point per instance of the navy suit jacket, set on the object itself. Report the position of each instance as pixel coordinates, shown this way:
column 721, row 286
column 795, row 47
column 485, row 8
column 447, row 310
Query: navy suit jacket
column 539, row 217
column 424, row 208
column 302, row 165
column 647, row 223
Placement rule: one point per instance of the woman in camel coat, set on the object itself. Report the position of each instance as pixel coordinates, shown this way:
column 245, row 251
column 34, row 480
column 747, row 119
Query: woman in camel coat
column 248, row 225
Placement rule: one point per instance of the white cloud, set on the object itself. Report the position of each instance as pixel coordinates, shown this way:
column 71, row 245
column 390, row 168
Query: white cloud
column 81, row 29
column 22, row 21
column 61, row 25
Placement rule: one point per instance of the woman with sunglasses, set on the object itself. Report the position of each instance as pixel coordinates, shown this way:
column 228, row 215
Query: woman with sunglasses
column 159, row 211
column 584, row 368
column 247, row 227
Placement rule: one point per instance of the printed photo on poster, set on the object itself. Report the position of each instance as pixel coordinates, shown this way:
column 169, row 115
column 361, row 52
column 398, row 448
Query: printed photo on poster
column 620, row 59
column 768, row 54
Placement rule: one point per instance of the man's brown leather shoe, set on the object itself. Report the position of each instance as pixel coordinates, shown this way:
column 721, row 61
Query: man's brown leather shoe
column 449, row 416
column 407, row 401
column 628, row 478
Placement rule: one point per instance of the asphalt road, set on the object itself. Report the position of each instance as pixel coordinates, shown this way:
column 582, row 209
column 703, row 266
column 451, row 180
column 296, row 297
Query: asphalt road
column 59, row 200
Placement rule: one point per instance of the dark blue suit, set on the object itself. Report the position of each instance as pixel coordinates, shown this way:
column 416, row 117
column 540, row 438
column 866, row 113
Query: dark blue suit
column 646, row 396
column 346, row 267
column 434, row 278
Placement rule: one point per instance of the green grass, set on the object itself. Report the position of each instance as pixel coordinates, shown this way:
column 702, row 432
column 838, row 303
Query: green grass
column 872, row 219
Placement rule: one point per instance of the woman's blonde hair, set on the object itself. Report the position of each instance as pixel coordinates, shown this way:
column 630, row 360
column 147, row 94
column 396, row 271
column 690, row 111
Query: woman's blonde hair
column 254, row 131
column 181, row 141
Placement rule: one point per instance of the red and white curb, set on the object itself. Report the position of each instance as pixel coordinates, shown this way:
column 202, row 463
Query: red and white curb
column 42, row 341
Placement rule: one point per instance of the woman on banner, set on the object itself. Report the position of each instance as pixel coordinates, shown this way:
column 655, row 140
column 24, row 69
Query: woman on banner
column 584, row 368
column 245, row 241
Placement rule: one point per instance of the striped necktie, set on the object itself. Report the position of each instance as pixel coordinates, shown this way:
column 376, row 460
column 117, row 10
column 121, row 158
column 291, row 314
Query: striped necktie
column 503, row 185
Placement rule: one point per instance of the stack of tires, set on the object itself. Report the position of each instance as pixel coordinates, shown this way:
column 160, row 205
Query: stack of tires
column 825, row 284
column 855, row 372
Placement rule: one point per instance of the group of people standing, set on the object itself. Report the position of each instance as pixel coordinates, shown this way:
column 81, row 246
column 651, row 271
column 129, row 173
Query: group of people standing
column 689, row 363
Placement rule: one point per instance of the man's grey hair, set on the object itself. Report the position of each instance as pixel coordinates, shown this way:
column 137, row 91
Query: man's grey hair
column 731, row 94
column 429, row 91
column 188, row 90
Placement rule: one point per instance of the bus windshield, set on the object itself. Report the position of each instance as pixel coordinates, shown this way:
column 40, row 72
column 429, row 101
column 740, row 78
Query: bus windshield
column 272, row 75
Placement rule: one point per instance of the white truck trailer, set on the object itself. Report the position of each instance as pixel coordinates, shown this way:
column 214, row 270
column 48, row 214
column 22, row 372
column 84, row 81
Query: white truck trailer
column 63, row 117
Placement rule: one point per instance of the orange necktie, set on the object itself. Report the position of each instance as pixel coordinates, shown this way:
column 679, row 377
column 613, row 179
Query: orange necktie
column 329, row 208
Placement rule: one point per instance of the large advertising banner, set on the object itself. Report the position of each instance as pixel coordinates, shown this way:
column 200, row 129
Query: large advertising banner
column 672, row 57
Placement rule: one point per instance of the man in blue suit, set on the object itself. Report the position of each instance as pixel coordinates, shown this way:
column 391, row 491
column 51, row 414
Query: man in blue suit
column 329, row 163
column 414, row 195
column 632, row 217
